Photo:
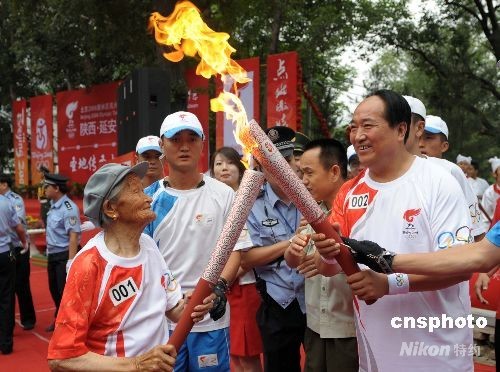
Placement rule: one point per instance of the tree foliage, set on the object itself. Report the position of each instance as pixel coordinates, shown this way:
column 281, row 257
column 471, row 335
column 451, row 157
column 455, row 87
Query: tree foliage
column 448, row 61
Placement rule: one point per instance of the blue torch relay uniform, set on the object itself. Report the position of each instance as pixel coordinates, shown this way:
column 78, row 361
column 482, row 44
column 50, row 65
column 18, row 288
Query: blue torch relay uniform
column 23, row 290
column 63, row 218
column 8, row 221
column 494, row 235
column 281, row 316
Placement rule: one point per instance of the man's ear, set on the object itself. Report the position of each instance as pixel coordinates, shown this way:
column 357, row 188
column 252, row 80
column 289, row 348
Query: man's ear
column 335, row 172
column 445, row 146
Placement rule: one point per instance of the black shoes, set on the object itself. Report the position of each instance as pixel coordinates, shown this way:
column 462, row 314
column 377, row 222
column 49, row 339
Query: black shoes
column 28, row 326
column 6, row 349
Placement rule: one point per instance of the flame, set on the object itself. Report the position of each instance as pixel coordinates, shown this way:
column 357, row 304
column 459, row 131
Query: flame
column 185, row 32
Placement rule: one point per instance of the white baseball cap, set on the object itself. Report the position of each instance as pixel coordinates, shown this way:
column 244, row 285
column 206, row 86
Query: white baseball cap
column 178, row 121
column 148, row 143
column 350, row 152
column 434, row 124
column 495, row 163
column 416, row 105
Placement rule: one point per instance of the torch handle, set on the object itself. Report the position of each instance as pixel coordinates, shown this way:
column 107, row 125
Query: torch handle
column 344, row 258
column 183, row 327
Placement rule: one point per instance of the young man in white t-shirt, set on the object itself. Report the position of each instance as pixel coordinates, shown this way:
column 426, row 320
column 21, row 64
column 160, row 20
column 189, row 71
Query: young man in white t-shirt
column 407, row 202
column 191, row 209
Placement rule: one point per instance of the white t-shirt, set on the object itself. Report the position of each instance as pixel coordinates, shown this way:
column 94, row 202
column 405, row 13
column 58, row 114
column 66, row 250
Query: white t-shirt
column 479, row 185
column 113, row 305
column 489, row 201
column 186, row 229
column 476, row 216
column 422, row 211
column 244, row 242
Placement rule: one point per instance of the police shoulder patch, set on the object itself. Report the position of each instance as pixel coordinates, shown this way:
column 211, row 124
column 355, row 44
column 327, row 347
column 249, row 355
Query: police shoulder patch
column 68, row 205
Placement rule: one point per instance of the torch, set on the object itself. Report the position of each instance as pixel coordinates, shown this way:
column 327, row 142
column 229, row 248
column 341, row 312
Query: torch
column 243, row 202
column 261, row 147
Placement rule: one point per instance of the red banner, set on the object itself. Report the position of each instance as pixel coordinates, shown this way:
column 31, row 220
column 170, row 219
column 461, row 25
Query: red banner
column 282, row 90
column 41, row 136
column 86, row 127
column 20, row 142
column 248, row 94
column 198, row 104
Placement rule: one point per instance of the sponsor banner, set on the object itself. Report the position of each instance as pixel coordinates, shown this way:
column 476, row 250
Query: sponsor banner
column 282, row 90
column 125, row 159
column 248, row 94
column 198, row 104
column 86, row 123
column 20, row 142
column 41, row 136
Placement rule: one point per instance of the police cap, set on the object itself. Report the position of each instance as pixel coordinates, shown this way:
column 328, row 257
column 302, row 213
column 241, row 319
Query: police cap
column 282, row 137
column 55, row 179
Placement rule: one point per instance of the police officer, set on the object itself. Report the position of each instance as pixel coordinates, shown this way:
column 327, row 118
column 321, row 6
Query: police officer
column 8, row 220
column 63, row 234
column 301, row 140
column 273, row 220
column 23, row 290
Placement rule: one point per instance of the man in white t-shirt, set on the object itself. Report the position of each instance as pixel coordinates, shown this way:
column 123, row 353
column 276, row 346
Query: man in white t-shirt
column 427, row 132
column 191, row 209
column 479, row 185
column 407, row 202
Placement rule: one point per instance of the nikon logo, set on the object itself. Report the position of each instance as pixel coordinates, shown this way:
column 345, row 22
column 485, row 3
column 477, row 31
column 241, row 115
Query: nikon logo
column 423, row 349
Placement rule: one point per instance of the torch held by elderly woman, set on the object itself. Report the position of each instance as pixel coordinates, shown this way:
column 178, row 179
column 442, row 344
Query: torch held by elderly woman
column 119, row 290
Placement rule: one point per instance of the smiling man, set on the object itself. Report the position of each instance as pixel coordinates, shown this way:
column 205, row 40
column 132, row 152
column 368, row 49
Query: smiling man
column 402, row 201
column 190, row 212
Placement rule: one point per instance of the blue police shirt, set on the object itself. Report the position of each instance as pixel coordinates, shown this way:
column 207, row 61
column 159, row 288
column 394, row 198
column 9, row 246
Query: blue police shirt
column 272, row 221
column 63, row 218
column 8, row 221
column 18, row 204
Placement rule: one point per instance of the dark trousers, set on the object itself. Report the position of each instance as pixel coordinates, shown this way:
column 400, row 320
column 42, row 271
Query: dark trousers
column 23, row 289
column 7, row 300
column 282, row 332
column 56, row 268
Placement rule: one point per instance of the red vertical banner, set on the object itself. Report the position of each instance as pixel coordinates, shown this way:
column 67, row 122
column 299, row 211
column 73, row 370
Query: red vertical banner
column 282, row 90
column 198, row 104
column 20, row 142
column 41, row 136
column 86, row 127
column 248, row 94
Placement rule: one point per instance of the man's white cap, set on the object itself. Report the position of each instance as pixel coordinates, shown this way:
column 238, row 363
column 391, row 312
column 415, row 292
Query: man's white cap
column 464, row 159
column 416, row 105
column 350, row 152
column 178, row 121
column 495, row 163
column 435, row 124
column 148, row 143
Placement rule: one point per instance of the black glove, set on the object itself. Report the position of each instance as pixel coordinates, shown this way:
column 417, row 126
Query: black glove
column 371, row 254
column 220, row 290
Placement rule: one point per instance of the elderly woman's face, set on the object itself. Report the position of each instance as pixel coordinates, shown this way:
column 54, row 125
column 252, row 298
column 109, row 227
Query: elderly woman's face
column 132, row 204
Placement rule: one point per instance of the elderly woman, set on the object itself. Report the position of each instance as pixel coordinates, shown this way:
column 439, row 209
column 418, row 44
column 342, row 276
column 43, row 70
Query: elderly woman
column 118, row 289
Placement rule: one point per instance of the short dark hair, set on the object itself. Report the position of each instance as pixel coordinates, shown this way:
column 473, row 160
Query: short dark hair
column 397, row 109
column 332, row 152
column 5, row 178
column 475, row 164
column 232, row 155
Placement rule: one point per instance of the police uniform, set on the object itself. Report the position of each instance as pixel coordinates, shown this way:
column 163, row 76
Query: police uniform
column 281, row 316
column 8, row 221
column 23, row 290
column 63, row 218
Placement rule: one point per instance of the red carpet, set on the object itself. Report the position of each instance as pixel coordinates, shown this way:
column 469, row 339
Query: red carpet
column 30, row 347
